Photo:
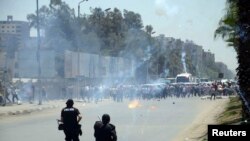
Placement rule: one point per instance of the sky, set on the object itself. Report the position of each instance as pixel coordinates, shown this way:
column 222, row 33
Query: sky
column 194, row 20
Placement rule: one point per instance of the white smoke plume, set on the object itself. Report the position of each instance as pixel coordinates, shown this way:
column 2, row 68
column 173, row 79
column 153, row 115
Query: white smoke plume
column 163, row 9
column 183, row 59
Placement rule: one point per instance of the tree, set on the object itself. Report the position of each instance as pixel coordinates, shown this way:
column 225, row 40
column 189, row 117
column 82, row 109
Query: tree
column 235, row 27
column 228, row 25
column 132, row 20
column 108, row 26
column 117, row 32
column 243, row 69
column 149, row 29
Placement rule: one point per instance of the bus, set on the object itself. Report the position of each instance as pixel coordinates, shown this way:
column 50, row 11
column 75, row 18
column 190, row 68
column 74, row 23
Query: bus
column 185, row 78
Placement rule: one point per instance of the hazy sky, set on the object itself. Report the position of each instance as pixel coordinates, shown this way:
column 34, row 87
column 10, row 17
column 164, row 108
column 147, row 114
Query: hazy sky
column 194, row 20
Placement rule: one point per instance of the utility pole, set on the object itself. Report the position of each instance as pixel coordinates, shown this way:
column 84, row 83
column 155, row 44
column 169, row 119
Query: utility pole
column 78, row 55
column 38, row 56
column 79, row 7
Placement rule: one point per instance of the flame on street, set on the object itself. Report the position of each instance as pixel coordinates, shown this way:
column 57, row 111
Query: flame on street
column 134, row 104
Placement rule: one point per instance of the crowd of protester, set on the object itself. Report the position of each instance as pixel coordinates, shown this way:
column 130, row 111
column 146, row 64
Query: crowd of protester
column 156, row 91
column 15, row 92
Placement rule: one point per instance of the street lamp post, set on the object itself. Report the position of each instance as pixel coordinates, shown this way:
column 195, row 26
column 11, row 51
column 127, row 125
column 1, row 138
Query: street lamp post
column 78, row 55
column 148, row 59
column 107, row 9
column 79, row 7
column 4, row 84
column 38, row 55
column 147, row 72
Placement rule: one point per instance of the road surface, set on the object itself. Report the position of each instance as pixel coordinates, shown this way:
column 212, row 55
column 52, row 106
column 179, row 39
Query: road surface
column 153, row 120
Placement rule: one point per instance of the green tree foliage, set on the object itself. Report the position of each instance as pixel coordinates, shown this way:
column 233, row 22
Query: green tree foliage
column 149, row 29
column 228, row 25
column 234, row 27
column 132, row 20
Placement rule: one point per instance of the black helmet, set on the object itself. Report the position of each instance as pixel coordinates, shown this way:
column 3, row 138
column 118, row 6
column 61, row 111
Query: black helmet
column 70, row 103
column 105, row 118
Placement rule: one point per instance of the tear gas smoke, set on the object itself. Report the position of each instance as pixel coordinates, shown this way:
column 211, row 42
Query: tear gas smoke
column 164, row 9
column 183, row 59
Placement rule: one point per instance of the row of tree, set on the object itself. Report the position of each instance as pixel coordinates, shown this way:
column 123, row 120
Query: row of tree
column 115, row 33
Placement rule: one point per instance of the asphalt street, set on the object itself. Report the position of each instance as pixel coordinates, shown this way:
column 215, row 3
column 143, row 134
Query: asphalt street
column 153, row 120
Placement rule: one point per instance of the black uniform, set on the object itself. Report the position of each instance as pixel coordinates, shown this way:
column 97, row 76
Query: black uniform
column 104, row 132
column 71, row 127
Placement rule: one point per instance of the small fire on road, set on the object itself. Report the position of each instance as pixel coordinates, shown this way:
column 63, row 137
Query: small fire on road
column 134, row 104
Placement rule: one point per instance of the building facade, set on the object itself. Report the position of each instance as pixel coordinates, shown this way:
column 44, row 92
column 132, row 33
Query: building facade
column 19, row 28
column 13, row 35
column 97, row 67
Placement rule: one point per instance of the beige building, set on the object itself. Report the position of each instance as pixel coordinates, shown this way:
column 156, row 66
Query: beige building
column 13, row 35
column 19, row 28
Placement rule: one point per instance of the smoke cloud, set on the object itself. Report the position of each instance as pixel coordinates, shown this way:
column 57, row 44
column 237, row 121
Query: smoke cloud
column 163, row 9
column 183, row 59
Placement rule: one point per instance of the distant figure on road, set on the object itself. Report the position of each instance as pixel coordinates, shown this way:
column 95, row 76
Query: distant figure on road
column 14, row 94
column 32, row 92
column 7, row 94
column 44, row 94
column 104, row 131
column 71, row 117
column 214, row 90
column 63, row 92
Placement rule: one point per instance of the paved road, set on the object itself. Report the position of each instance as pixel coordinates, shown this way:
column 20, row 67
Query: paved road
column 152, row 120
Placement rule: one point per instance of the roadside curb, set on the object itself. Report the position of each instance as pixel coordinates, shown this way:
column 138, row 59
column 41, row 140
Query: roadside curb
column 26, row 111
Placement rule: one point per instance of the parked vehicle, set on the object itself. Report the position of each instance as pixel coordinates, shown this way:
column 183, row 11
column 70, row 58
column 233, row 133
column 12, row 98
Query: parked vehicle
column 185, row 78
